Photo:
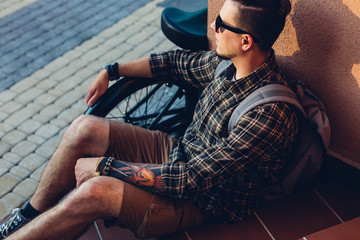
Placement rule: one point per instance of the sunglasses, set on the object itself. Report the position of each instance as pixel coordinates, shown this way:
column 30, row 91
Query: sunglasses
column 219, row 24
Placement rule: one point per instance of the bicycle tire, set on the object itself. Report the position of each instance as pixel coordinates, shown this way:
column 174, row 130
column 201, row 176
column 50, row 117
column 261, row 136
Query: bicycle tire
column 150, row 103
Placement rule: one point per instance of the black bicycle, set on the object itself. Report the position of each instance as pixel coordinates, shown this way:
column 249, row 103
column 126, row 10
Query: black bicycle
column 152, row 103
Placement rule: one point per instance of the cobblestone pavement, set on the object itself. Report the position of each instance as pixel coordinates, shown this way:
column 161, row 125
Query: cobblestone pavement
column 50, row 51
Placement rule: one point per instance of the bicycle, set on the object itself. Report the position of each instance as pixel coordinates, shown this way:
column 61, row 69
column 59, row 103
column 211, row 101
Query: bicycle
column 152, row 103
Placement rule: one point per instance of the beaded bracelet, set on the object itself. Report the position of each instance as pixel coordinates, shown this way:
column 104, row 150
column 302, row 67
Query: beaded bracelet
column 107, row 166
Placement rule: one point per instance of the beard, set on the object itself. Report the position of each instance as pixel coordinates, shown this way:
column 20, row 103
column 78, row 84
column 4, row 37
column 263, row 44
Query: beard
column 223, row 55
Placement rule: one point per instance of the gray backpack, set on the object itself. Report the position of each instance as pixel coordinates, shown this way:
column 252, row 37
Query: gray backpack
column 312, row 141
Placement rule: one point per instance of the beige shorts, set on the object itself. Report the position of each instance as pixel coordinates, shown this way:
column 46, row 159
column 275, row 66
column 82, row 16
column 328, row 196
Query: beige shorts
column 144, row 213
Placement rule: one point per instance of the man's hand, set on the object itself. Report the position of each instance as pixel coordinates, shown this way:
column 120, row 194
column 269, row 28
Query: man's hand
column 85, row 169
column 97, row 88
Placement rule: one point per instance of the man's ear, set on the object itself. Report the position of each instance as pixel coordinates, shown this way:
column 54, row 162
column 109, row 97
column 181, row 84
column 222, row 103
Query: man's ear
column 246, row 42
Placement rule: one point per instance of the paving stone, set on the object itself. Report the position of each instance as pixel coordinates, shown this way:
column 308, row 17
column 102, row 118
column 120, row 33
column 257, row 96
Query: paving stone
column 91, row 54
column 70, row 115
column 48, row 148
column 42, row 118
column 10, row 107
column 24, row 85
column 32, row 161
column 4, row 147
column 80, row 105
column 57, row 64
column 96, row 66
column 59, row 122
column 20, row 116
column 12, row 157
column 63, row 73
column 29, row 126
column 36, row 175
column 76, row 81
column 7, row 95
column 1, row 134
column 77, row 64
column 34, row 106
column 52, row 110
column 45, row 99
column 46, row 84
column 24, row 148
column 20, row 172
column 41, row 74
column 71, row 55
column 12, row 6
column 146, row 47
column 66, row 85
column 55, row 92
column 14, row 137
column 3, row 115
column 26, row 188
column 87, row 73
column 69, row 98
column 142, row 36
column 8, row 182
column 29, row 95
column 8, row 203
column 47, row 131
column 38, row 140
column 5, row 166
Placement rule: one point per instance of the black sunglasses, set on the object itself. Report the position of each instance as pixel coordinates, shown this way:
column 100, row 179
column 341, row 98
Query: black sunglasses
column 219, row 24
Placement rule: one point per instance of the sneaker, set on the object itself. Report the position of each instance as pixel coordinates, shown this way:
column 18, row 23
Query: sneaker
column 16, row 220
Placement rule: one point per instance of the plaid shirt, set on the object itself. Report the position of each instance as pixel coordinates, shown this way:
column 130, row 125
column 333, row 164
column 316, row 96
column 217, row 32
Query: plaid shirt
column 211, row 166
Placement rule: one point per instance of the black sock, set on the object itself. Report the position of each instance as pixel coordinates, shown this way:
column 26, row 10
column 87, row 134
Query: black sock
column 29, row 212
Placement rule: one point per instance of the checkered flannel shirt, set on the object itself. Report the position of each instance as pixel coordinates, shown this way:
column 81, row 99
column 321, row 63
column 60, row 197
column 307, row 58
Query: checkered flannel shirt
column 208, row 164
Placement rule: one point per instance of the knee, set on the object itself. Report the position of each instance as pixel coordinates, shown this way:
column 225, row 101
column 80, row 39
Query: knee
column 81, row 128
column 87, row 129
column 87, row 199
column 95, row 197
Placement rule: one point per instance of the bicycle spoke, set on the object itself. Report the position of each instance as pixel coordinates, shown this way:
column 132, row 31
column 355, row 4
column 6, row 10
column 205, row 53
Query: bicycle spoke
column 162, row 106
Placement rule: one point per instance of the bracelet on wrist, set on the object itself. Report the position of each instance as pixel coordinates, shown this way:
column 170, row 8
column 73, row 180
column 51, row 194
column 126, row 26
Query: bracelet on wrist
column 97, row 172
column 107, row 166
column 103, row 166
column 112, row 71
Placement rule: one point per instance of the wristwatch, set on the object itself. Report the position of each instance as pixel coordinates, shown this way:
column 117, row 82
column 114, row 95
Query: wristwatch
column 113, row 71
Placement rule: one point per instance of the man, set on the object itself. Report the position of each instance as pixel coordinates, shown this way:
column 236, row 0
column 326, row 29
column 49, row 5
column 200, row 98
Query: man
column 156, row 185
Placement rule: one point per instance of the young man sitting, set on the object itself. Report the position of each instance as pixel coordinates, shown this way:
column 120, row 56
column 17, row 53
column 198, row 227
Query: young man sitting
column 155, row 185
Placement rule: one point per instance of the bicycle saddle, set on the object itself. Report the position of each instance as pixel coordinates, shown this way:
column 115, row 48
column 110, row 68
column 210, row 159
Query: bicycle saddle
column 187, row 30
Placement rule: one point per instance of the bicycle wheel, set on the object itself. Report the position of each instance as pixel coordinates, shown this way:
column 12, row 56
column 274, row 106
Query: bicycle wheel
column 149, row 103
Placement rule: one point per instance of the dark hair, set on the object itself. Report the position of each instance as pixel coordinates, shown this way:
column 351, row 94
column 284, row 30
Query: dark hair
column 265, row 19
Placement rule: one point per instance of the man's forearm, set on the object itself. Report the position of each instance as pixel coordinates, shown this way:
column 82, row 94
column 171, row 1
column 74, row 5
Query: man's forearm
column 144, row 175
column 136, row 68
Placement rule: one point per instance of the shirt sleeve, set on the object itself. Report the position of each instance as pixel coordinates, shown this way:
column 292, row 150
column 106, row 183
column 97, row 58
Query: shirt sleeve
column 197, row 68
column 263, row 136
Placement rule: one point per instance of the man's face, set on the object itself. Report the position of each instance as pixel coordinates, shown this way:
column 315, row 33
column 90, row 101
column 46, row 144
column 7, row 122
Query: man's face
column 227, row 42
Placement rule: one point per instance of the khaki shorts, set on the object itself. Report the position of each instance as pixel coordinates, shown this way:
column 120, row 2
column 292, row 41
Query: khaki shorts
column 144, row 213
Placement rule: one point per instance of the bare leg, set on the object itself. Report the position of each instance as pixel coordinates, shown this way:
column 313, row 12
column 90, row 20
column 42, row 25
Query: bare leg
column 100, row 197
column 87, row 136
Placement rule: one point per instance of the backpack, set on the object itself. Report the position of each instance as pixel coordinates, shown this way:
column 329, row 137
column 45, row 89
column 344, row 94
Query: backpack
column 312, row 141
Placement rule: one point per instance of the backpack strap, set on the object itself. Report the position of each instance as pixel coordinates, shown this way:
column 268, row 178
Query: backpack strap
column 223, row 65
column 268, row 94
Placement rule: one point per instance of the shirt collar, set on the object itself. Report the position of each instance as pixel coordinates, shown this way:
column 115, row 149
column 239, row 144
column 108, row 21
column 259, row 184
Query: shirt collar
column 260, row 77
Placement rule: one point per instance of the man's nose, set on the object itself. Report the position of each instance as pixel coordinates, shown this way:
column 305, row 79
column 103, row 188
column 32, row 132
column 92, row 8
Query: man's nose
column 212, row 26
